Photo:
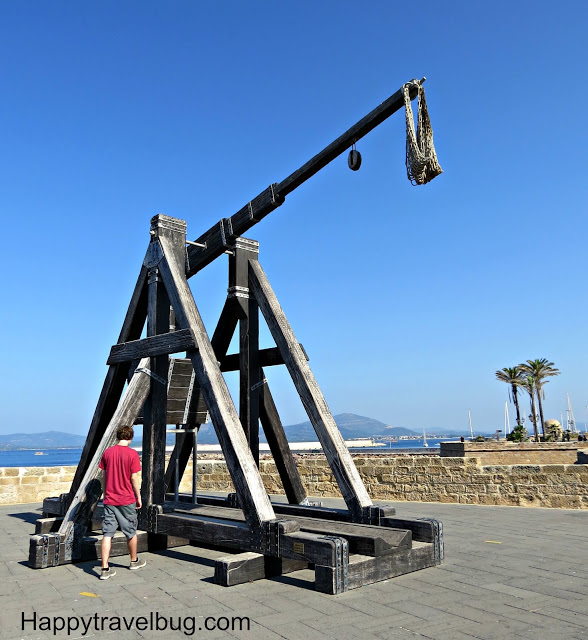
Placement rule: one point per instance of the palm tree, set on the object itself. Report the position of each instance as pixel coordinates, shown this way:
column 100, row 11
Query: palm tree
column 513, row 376
column 530, row 386
column 540, row 370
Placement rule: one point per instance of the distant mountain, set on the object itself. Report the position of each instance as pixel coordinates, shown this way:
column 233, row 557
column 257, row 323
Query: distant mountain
column 350, row 425
column 45, row 440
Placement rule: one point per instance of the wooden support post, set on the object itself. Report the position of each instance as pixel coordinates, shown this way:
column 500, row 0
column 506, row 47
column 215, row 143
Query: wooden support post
column 281, row 452
column 171, row 234
column 155, row 415
column 249, row 370
column 338, row 456
column 114, row 382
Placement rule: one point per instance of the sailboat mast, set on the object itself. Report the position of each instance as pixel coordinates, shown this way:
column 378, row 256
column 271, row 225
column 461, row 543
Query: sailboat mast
column 506, row 418
column 570, row 421
column 470, row 419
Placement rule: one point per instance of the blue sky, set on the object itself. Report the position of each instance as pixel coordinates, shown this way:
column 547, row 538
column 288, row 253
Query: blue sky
column 407, row 299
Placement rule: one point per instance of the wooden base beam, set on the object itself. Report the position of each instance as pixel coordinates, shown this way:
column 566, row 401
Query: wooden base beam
column 249, row 566
column 48, row 550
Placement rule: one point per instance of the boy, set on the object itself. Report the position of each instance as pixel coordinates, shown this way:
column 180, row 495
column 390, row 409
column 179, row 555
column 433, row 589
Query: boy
column 122, row 498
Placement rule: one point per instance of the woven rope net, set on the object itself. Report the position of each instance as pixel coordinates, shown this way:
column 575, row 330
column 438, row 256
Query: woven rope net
column 421, row 160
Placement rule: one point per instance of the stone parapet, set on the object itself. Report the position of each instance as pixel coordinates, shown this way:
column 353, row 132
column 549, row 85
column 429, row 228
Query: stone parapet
column 403, row 477
column 509, row 453
column 33, row 484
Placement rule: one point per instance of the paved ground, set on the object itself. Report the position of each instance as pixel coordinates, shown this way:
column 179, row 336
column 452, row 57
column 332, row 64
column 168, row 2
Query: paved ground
column 532, row 585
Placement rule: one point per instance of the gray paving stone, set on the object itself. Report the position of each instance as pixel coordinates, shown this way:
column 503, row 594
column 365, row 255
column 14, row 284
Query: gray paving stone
column 523, row 588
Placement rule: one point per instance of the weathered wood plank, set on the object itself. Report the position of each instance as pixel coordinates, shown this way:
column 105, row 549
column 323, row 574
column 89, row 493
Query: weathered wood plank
column 52, row 524
column 298, row 545
column 337, row 454
column 249, row 370
column 79, row 514
column 244, row 472
column 114, row 383
column 369, row 540
column 157, row 345
column 155, row 411
column 364, row 570
column 267, row 358
column 210, row 531
column 248, row 566
column 90, row 548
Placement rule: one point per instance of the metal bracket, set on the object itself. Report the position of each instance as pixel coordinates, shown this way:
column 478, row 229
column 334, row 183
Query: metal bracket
column 226, row 231
column 233, row 501
column 153, row 510
column 438, row 541
column 153, row 256
column 238, row 292
column 341, row 563
column 153, row 375
column 259, row 384
column 271, row 538
column 277, row 199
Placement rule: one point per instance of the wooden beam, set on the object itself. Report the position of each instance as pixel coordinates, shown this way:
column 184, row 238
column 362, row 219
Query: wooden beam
column 267, row 358
column 249, row 370
column 155, row 415
column 79, row 514
column 337, row 454
column 294, row 545
column 248, row 566
column 244, row 473
column 278, row 444
column 219, row 237
column 158, row 345
column 363, row 570
column 114, row 383
column 365, row 539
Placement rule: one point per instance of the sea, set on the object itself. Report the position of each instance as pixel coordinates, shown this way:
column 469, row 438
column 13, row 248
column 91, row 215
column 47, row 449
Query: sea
column 71, row 457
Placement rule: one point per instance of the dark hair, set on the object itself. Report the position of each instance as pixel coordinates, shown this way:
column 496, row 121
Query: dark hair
column 125, row 433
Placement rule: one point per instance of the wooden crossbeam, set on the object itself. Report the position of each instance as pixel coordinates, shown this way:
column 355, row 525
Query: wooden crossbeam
column 267, row 358
column 158, row 345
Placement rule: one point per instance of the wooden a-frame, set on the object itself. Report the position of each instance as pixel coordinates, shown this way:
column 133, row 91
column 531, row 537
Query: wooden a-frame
column 162, row 286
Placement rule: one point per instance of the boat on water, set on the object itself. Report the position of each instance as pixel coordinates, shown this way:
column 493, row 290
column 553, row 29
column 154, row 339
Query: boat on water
column 425, row 443
column 39, row 453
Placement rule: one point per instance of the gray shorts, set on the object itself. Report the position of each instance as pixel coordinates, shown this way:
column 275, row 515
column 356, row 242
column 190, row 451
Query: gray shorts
column 124, row 517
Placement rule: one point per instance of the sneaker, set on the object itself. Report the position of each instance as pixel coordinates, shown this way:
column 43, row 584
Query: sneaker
column 137, row 564
column 107, row 573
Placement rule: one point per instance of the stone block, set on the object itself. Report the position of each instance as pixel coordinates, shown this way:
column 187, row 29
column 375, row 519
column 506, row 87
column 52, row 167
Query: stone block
column 11, row 472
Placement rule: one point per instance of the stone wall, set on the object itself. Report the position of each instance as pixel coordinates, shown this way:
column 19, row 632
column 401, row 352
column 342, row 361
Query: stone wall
column 422, row 478
column 33, row 484
column 508, row 453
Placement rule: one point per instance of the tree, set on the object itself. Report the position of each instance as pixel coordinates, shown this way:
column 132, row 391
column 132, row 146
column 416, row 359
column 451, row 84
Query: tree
column 529, row 385
column 540, row 369
column 513, row 376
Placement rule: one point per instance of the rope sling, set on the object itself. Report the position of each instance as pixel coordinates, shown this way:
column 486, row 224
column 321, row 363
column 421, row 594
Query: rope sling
column 421, row 160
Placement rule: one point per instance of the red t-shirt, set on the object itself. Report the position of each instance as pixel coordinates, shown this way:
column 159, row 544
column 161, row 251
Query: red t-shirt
column 119, row 463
